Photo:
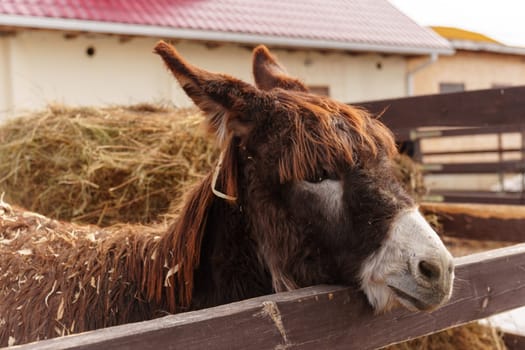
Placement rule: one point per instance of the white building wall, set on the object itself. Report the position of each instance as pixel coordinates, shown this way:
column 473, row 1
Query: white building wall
column 351, row 78
column 5, row 79
column 46, row 67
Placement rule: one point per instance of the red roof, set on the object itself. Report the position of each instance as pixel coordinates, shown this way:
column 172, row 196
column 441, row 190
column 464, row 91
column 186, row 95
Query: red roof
column 369, row 23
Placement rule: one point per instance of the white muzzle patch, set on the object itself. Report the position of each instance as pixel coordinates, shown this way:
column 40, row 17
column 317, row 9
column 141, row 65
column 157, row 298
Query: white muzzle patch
column 412, row 267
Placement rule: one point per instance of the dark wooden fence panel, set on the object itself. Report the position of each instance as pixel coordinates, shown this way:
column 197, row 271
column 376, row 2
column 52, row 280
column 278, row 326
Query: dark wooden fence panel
column 321, row 317
column 480, row 221
column 490, row 107
column 414, row 120
column 514, row 341
column 477, row 197
column 508, row 166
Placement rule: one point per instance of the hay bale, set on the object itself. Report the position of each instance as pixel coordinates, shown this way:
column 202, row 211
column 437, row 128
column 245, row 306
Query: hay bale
column 466, row 337
column 103, row 166
column 116, row 164
column 410, row 174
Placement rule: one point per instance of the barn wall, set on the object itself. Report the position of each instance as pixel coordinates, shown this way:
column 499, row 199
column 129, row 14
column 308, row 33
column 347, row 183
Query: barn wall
column 351, row 78
column 5, row 81
column 477, row 70
column 47, row 66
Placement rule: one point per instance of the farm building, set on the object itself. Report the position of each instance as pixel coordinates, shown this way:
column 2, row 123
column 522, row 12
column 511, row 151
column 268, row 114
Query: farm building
column 479, row 62
column 98, row 53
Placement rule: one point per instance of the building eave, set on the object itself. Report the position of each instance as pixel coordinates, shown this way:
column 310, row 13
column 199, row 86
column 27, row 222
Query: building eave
column 487, row 47
column 206, row 35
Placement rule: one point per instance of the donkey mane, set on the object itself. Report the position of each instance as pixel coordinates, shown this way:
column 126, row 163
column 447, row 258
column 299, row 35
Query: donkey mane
column 326, row 143
column 182, row 244
column 180, row 249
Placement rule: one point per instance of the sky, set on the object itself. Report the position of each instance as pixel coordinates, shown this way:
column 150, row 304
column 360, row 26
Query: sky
column 502, row 20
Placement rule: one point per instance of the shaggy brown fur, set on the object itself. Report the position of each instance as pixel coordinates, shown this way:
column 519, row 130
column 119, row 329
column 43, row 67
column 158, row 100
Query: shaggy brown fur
column 57, row 278
column 77, row 278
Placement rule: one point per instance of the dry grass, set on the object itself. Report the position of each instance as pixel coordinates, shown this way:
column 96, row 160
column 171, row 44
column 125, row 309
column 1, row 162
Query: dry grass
column 111, row 165
column 410, row 175
column 472, row 336
column 102, row 166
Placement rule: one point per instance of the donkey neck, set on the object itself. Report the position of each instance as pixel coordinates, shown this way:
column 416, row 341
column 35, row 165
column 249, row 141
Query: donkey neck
column 208, row 249
column 229, row 268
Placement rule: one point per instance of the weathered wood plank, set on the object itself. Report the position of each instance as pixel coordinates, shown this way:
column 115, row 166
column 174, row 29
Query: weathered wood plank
column 478, row 197
column 473, row 108
column 468, row 131
column 514, row 341
column 508, row 166
column 474, row 151
column 480, row 221
column 319, row 317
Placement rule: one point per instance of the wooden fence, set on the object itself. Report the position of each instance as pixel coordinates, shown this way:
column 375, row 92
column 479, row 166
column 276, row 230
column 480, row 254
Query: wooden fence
column 491, row 107
column 320, row 317
column 505, row 223
column 496, row 112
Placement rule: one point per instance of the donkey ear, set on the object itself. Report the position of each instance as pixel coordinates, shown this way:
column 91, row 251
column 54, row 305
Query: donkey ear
column 269, row 74
column 226, row 101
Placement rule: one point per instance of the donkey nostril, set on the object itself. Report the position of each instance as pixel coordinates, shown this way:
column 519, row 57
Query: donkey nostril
column 429, row 270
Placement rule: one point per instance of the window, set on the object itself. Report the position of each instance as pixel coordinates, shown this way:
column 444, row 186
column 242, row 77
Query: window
column 445, row 88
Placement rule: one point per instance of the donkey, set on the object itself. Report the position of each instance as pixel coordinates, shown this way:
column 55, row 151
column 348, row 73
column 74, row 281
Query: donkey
column 304, row 193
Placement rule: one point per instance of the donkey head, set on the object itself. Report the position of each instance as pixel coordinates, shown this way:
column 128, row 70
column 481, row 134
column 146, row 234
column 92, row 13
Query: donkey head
column 313, row 179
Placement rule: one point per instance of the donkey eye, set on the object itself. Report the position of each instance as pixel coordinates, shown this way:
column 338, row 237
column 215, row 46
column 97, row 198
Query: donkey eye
column 321, row 176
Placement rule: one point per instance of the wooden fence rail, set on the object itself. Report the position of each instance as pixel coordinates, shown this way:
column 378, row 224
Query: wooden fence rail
column 492, row 107
column 480, row 221
column 423, row 122
column 321, row 317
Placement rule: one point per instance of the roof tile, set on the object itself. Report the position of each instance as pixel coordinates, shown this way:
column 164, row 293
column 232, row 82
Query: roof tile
column 355, row 21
